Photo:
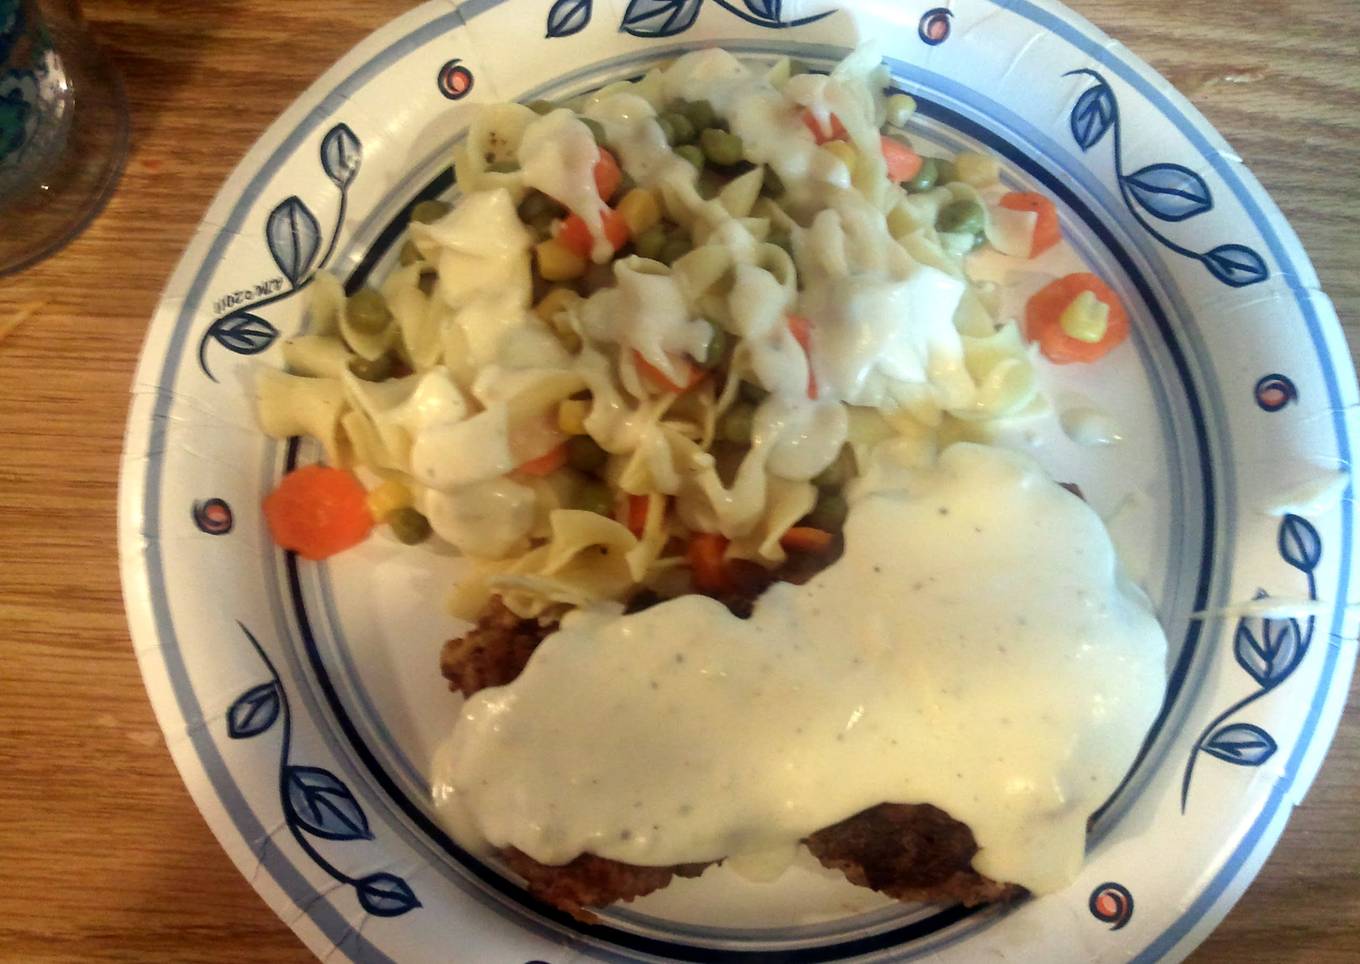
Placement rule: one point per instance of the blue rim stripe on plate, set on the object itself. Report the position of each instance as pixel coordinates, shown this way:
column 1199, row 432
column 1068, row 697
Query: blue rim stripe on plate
column 174, row 663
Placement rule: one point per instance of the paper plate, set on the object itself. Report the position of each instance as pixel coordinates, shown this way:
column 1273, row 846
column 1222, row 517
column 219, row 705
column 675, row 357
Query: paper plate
column 301, row 702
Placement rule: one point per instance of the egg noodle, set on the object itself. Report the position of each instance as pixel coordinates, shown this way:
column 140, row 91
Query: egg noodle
column 682, row 379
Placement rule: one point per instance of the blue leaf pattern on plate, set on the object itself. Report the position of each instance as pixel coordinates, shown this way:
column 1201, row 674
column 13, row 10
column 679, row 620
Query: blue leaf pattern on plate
column 1300, row 544
column 1092, row 116
column 385, row 895
column 341, row 155
column 765, row 9
column 1236, row 265
column 294, row 237
column 245, row 334
column 254, row 711
column 1242, row 744
column 1170, row 192
column 659, row 18
column 568, row 17
column 1271, row 655
column 323, row 805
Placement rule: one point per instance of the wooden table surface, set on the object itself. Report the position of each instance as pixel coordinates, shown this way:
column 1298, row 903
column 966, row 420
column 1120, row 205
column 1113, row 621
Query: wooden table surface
column 102, row 854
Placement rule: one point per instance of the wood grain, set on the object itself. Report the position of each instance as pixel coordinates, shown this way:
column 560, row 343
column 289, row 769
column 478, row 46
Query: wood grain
column 102, row 855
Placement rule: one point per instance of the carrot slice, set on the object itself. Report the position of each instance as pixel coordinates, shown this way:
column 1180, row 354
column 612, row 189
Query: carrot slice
column 806, row 539
column 1043, row 320
column 1047, row 232
column 690, row 372
column 903, row 162
column 608, row 177
column 801, row 330
column 546, row 464
column 636, row 512
column 577, row 237
column 706, row 562
column 838, row 131
column 318, row 511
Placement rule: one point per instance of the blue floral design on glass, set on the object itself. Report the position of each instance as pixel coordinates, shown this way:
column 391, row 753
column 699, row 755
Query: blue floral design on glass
column 935, row 26
column 1274, row 391
column 455, row 80
column 315, row 802
column 18, row 114
column 1166, row 192
column 1268, row 649
column 213, row 517
column 666, row 18
column 1111, row 903
column 294, row 237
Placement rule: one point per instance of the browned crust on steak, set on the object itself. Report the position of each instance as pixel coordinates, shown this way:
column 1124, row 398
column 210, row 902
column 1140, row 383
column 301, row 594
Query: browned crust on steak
column 909, row 852
column 590, row 881
column 493, row 652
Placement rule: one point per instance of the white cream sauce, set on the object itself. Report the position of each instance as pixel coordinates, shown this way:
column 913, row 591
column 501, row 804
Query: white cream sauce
column 976, row 648
column 558, row 155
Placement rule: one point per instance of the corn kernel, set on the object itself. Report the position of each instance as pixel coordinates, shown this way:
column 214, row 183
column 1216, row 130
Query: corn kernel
column 571, row 416
column 900, row 109
column 1086, row 319
column 388, row 498
column 639, row 210
column 557, row 262
column 978, row 170
column 845, row 153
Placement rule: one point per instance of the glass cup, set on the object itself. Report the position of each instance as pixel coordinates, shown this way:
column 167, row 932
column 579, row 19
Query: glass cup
column 63, row 129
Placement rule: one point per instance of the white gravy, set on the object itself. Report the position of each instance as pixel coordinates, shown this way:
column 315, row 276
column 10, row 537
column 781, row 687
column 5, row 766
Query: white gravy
column 976, row 648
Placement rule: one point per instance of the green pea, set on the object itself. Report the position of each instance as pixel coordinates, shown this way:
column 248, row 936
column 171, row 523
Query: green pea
column 367, row 311
column 737, row 424
column 542, row 106
column 753, row 393
column 595, row 497
column 538, row 205
column 773, row 184
column 596, row 129
column 675, row 248
column 946, row 173
column 709, row 183
column 961, row 217
column 409, row 526
column 650, row 243
column 926, row 177
column 692, row 154
column 700, row 113
column 378, row 370
column 781, row 239
column 829, row 513
column 502, row 167
column 428, row 212
column 721, row 147
column 682, row 131
column 410, row 254
column 585, row 455
column 717, row 346
column 839, row 472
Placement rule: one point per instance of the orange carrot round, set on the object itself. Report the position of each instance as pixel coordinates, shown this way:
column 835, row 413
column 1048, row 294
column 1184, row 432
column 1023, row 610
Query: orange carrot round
column 318, row 511
column 608, row 177
column 806, row 539
column 801, row 329
column 577, row 237
column 1043, row 320
column 690, row 373
column 546, row 464
column 1047, row 232
column 838, row 131
column 903, row 162
column 706, row 562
